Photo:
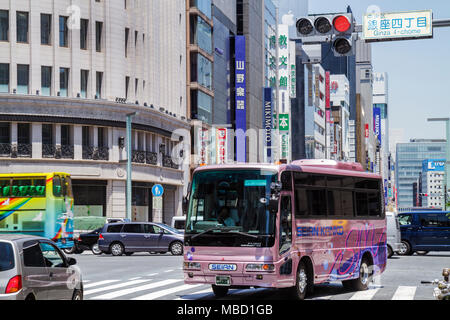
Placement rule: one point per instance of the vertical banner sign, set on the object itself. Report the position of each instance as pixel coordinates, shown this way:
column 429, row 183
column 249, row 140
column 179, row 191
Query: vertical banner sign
column 377, row 123
column 327, row 90
column 221, row 146
column 367, row 132
column 268, row 122
column 241, row 99
column 203, row 140
column 293, row 69
column 284, row 132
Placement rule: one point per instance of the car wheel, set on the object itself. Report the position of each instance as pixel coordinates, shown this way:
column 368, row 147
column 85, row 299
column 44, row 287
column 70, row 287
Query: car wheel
column 219, row 292
column 422, row 253
column 365, row 277
column 405, row 249
column 390, row 252
column 95, row 249
column 69, row 250
column 117, row 249
column 77, row 295
column 176, row 248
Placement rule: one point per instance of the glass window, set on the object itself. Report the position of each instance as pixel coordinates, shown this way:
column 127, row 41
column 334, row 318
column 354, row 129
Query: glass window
column 64, row 81
column 127, row 35
column 46, row 80
column 362, row 208
column 317, row 202
column 148, row 228
column 98, row 35
column 4, row 25
column 374, row 204
column 301, row 203
column 86, row 136
column 23, row 133
column 84, row 83
column 47, row 133
column 201, row 70
column 116, row 228
column 6, row 256
column 22, row 78
column 4, row 77
column 201, row 34
column 98, row 84
column 5, row 132
column 84, row 27
column 22, row 26
column 204, row 6
column 127, row 86
column 32, row 255
column 46, row 28
column 202, row 106
column 65, row 135
column 52, row 256
column 63, row 32
column 57, row 187
column 133, row 228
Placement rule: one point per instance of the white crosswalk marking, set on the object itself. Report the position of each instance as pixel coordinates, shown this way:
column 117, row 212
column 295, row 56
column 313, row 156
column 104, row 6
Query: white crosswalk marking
column 114, row 286
column 196, row 295
column 404, row 293
column 100, row 283
column 162, row 293
column 364, row 295
column 124, row 292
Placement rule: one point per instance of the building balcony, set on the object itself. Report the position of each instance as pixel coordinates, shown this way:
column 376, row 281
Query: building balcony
column 168, row 162
column 66, row 152
column 48, row 151
column 24, row 150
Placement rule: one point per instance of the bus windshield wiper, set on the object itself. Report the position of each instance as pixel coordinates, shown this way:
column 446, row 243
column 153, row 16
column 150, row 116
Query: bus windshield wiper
column 226, row 230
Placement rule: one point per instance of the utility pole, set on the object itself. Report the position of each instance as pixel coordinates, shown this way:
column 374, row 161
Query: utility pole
column 129, row 167
column 447, row 160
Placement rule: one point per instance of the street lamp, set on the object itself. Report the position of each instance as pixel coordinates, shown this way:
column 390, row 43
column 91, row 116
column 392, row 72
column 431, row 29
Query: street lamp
column 447, row 157
column 129, row 168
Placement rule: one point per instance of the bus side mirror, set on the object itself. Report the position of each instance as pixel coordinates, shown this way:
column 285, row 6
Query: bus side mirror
column 273, row 206
column 185, row 205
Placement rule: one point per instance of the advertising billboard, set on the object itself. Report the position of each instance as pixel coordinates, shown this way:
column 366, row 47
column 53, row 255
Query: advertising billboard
column 268, row 122
column 241, row 99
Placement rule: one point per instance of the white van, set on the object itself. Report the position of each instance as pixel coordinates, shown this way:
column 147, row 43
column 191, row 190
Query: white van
column 393, row 234
column 179, row 223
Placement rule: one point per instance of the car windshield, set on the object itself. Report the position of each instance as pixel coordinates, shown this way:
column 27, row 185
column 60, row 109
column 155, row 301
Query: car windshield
column 228, row 203
column 6, row 257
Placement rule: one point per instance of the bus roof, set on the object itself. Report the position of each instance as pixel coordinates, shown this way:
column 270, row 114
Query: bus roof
column 26, row 175
column 330, row 167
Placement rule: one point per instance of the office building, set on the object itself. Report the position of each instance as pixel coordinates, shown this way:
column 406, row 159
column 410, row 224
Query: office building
column 432, row 183
column 409, row 163
column 70, row 74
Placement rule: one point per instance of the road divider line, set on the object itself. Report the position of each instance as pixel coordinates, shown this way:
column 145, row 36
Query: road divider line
column 124, row 292
column 364, row 295
column 115, row 286
column 404, row 293
column 162, row 293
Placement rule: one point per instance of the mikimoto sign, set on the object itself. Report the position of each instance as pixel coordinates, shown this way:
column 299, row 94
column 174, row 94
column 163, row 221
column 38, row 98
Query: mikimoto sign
column 398, row 26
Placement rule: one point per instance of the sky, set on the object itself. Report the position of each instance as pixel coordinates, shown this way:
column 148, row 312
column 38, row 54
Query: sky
column 418, row 70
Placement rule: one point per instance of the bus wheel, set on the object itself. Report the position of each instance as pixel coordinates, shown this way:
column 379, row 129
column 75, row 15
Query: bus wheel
column 301, row 282
column 220, row 292
column 390, row 252
column 405, row 249
column 365, row 277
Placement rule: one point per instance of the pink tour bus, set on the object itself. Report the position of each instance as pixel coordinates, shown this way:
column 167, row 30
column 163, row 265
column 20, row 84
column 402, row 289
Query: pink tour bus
column 288, row 226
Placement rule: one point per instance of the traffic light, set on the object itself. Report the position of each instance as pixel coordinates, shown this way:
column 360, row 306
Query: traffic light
column 335, row 28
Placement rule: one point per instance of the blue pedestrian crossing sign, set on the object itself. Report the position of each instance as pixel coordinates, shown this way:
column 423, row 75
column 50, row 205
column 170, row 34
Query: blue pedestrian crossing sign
column 157, row 190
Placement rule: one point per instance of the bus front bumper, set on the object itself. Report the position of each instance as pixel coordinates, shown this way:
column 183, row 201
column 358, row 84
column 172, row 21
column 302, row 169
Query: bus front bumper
column 263, row 280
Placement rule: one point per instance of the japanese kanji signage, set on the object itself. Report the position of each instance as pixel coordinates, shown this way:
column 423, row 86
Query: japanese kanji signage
column 398, row 26
column 268, row 122
column 221, row 146
column 283, row 122
column 241, row 99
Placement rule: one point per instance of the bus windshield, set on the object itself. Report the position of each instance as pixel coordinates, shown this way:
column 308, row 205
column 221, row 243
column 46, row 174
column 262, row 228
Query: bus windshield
column 230, row 208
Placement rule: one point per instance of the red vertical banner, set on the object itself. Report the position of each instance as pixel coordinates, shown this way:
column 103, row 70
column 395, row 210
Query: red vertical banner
column 367, row 130
column 327, row 90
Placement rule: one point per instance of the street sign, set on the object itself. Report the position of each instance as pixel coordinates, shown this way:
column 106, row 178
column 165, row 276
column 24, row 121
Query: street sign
column 398, row 26
column 157, row 190
column 284, row 122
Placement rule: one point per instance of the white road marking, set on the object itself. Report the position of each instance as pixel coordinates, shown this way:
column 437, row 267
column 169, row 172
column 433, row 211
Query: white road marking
column 162, row 293
column 100, row 283
column 124, row 292
column 364, row 295
column 115, row 286
column 404, row 293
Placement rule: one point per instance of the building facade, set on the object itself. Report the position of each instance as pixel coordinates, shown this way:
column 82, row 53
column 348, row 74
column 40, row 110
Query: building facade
column 409, row 162
column 71, row 71
column 432, row 183
column 340, row 128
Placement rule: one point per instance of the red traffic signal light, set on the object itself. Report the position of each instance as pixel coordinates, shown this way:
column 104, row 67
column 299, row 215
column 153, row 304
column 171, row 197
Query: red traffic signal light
column 341, row 24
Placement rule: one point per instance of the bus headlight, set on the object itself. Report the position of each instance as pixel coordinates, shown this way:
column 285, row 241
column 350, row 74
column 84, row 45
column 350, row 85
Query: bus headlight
column 192, row 266
column 260, row 267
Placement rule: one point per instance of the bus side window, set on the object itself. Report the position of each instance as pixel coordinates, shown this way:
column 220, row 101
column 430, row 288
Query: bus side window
column 57, row 188
column 285, row 224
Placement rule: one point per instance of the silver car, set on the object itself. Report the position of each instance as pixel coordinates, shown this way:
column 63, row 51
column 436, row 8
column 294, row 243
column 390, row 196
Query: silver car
column 34, row 268
column 393, row 234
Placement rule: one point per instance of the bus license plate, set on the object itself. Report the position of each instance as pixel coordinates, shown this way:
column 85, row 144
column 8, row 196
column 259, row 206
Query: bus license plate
column 223, row 281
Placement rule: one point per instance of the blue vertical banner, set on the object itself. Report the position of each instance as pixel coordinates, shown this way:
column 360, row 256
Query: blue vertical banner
column 268, row 122
column 241, row 99
column 377, row 123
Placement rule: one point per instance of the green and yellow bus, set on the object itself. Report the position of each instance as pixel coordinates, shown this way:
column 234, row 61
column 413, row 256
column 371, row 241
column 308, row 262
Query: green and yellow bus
column 39, row 204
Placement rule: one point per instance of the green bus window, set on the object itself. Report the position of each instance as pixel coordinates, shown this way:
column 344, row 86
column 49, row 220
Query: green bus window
column 40, row 190
column 57, row 186
column 6, row 191
column 15, row 191
column 32, row 191
column 23, row 191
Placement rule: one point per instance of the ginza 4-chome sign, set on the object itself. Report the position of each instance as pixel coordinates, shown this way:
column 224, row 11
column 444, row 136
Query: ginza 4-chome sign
column 398, row 26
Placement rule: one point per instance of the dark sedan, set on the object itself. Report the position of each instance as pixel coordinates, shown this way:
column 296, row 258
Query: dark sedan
column 86, row 241
column 127, row 238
